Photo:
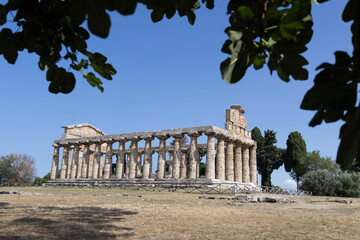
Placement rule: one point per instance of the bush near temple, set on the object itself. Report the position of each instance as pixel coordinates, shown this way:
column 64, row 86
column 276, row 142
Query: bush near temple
column 320, row 182
column 17, row 169
column 324, row 183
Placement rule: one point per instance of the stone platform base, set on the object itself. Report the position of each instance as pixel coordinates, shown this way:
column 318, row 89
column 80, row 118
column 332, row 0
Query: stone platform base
column 155, row 183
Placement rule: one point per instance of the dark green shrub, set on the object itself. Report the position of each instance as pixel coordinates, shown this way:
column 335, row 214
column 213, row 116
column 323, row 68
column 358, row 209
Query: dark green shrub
column 348, row 185
column 38, row 181
column 319, row 182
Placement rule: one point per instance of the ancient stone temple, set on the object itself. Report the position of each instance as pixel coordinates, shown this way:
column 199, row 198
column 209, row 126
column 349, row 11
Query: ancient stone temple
column 89, row 154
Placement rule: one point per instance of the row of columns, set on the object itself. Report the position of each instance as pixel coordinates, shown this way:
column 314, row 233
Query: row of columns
column 233, row 160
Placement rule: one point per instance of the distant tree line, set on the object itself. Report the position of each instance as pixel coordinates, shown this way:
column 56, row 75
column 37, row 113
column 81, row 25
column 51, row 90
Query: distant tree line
column 311, row 171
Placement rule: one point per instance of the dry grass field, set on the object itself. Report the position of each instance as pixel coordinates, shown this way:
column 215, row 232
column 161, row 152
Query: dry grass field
column 84, row 213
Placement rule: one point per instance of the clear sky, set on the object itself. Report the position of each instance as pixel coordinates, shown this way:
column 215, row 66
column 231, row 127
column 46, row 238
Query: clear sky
column 168, row 77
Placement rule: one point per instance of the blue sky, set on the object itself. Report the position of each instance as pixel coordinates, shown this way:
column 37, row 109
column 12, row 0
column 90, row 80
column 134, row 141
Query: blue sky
column 168, row 77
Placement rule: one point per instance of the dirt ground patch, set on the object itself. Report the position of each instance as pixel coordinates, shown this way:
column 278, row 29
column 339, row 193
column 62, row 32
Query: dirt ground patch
column 85, row 213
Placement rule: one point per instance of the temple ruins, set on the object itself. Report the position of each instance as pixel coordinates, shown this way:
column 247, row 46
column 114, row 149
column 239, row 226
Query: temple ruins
column 88, row 154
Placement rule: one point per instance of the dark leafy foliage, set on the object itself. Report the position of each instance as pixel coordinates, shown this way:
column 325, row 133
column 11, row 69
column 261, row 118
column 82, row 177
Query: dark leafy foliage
column 319, row 182
column 38, row 181
column 267, row 154
column 52, row 29
column 324, row 183
column 267, row 31
column 348, row 185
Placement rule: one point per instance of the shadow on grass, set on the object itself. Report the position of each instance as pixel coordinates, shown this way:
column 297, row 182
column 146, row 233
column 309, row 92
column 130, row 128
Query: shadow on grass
column 69, row 223
column 3, row 204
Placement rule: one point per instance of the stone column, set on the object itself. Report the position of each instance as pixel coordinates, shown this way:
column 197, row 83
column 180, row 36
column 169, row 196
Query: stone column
column 147, row 157
column 193, row 155
column 64, row 162
column 151, row 163
column 171, row 158
column 55, row 162
column 210, row 157
column 85, row 161
column 101, row 166
column 139, row 164
column 197, row 162
column 220, row 159
column 68, row 165
column 161, row 156
column 229, row 161
column 97, row 157
column 177, row 156
column 127, row 165
column 80, row 162
column 90, row 165
column 183, row 164
column 246, row 168
column 238, row 163
column 120, row 160
column 253, row 165
column 133, row 158
column 75, row 162
column 108, row 160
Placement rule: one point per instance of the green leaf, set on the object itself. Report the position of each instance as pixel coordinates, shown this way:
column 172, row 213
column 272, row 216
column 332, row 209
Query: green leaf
column 350, row 140
column 98, row 19
column 289, row 30
column 209, row 3
column 191, row 18
column 349, row 12
column 246, row 14
column 8, row 45
column 61, row 81
column 157, row 16
column 259, row 62
column 3, row 13
column 125, row 7
column 317, row 119
column 98, row 63
column 342, row 59
column 234, row 69
column 170, row 12
column 94, row 81
column 78, row 10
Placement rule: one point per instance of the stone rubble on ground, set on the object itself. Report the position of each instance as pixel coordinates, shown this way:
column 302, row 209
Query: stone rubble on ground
column 249, row 198
column 346, row 201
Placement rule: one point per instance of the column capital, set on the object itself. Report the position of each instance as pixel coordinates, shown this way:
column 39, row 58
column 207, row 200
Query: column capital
column 194, row 134
column 56, row 145
column 162, row 136
column 98, row 141
column 120, row 139
column 85, row 142
column 220, row 136
column 177, row 135
column 134, row 139
column 148, row 137
column 210, row 133
column 109, row 141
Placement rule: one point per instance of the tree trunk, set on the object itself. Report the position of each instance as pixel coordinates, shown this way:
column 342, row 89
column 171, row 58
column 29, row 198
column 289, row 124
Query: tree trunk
column 266, row 178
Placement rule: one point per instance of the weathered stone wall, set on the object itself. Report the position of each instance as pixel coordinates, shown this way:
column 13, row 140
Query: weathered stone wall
column 81, row 131
column 235, row 121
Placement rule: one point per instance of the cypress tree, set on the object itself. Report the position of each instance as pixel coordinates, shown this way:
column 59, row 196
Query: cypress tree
column 267, row 154
column 295, row 156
